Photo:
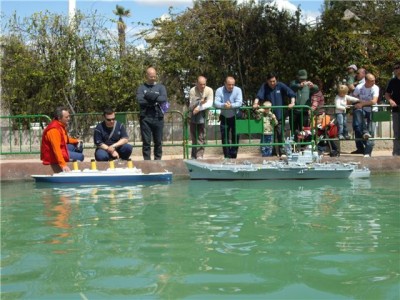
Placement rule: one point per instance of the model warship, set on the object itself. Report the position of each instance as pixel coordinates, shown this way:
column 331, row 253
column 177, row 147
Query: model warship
column 302, row 165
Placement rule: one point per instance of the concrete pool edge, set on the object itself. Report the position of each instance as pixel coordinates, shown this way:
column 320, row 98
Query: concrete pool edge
column 22, row 169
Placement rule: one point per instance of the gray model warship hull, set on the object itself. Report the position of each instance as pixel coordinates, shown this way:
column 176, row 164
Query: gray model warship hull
column 273, row 171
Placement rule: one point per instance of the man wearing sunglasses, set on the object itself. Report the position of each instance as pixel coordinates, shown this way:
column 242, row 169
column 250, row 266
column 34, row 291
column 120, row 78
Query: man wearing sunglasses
column 111, row 139
column 392, row 95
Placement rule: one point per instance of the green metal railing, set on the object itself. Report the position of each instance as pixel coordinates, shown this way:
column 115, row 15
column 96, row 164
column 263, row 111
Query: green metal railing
column 250, row 130
column 21, row 134
column 83, row 124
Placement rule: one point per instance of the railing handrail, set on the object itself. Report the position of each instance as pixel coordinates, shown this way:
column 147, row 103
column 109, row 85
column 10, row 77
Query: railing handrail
column 177, row 120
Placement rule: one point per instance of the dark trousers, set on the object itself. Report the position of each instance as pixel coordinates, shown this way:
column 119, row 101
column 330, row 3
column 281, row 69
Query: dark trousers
column 229, row 136
column 323, row 145
column 197, row 135
column 124, row 152
column 278, row 138
column 152, row 127
column 298, row 120
column 396, row 133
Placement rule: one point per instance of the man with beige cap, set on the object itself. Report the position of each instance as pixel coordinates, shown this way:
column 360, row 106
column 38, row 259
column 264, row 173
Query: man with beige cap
column 351, row 77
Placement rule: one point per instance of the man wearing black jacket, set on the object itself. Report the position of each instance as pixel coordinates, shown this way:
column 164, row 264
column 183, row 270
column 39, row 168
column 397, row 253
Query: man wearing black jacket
column 392, row 95
column 150, row 96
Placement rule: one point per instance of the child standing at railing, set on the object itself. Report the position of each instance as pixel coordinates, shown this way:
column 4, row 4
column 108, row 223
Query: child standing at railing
column 269, row 123
column 341, row 103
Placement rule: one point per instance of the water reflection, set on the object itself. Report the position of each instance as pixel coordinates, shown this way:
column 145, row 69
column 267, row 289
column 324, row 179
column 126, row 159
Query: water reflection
column 69, row 210
column 58, row 214
column 199, row 239
column 292, row 222
column 290, row 205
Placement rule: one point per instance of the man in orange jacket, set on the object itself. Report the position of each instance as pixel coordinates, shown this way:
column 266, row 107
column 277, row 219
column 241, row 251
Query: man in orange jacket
column 57, row 147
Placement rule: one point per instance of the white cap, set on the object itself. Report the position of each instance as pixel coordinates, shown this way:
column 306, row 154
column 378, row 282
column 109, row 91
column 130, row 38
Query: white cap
column 354, row 67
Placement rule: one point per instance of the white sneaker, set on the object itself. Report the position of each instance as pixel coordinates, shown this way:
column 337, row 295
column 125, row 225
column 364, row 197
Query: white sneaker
column 367, row 155
column 341, row 137
column 366, row 136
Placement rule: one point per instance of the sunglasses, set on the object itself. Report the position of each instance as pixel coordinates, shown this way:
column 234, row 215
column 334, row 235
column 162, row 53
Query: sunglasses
column 396, row 68
column 109, row 120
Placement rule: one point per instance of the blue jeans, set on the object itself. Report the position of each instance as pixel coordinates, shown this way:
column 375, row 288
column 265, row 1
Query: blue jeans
column 267, row 139
column 124, row 152
column 362, row 124
column 341, row 119
column 74, row 153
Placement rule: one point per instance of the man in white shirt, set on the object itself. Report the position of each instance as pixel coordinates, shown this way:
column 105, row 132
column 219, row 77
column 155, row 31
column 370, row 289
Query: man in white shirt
column 360, row 79
column 362, row 121
column 201, row 98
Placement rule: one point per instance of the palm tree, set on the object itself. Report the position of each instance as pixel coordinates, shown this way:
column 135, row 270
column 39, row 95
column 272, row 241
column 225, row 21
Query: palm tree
column 120, row 11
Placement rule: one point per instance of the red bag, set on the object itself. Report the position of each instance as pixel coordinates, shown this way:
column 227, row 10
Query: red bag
column 332, row 131
column 327, row 127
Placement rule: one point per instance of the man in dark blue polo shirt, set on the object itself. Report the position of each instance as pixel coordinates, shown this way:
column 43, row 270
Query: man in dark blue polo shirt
column 111, row 138
column 275, row 92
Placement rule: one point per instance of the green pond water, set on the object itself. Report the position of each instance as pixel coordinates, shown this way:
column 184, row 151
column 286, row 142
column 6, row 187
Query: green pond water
column 336, row 239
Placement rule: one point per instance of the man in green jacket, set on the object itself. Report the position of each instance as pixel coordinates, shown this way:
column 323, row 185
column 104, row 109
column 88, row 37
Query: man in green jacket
column 303, row 88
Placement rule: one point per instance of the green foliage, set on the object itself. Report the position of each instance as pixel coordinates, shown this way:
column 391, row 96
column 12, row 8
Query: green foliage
column 220, row 38
column 48, row 61
column 370, row 40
